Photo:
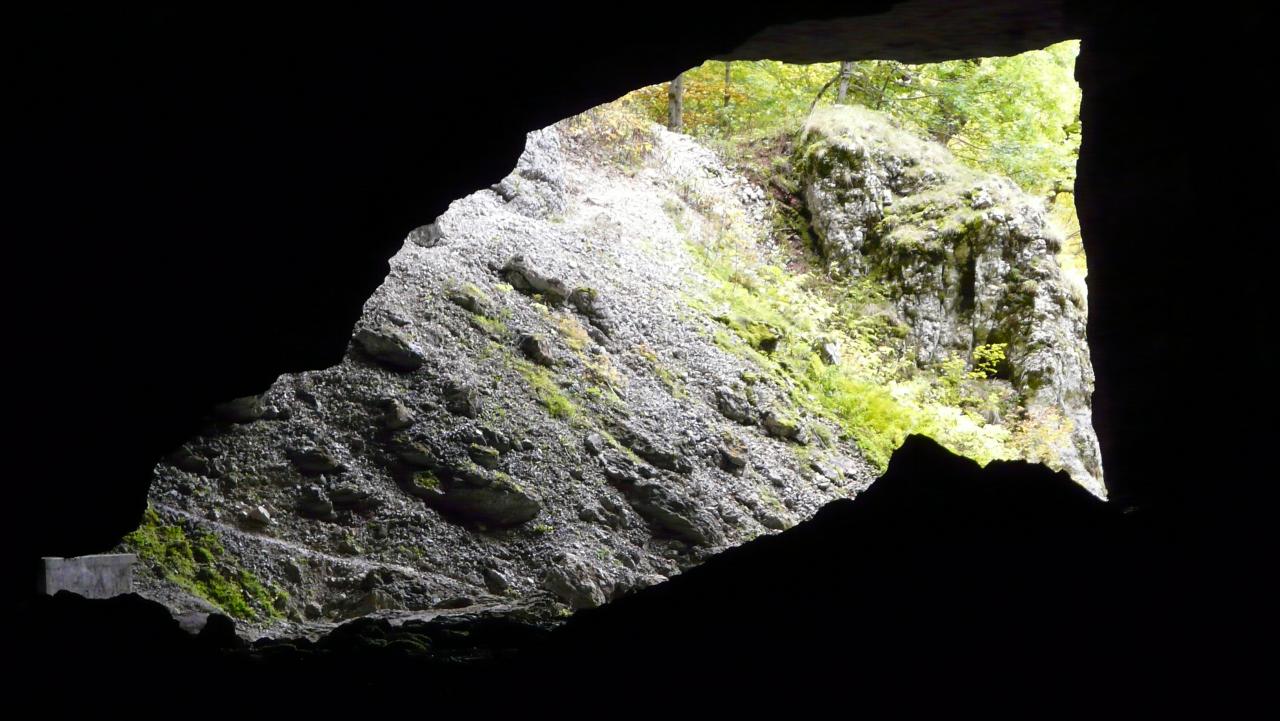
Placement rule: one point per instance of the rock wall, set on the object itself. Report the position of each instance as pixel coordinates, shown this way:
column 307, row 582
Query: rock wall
column 966, row 258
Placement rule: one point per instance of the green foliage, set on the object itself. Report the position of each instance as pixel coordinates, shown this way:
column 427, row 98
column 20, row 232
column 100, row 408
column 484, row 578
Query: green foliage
column 614, row 132
column 197, row 565
column 987, row 359
column 1039, row 432
column 1017, row 116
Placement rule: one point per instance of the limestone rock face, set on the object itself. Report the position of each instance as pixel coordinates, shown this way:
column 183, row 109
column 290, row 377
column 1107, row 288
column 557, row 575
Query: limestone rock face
column 965, row 258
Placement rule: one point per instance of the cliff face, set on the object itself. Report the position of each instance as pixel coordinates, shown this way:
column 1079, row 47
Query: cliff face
column 530, row 414
column 966, row 259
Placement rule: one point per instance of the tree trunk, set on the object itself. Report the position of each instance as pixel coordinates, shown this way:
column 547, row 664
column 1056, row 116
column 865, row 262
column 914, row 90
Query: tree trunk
column 727, row 65
column 675, row 104
column 846, row 69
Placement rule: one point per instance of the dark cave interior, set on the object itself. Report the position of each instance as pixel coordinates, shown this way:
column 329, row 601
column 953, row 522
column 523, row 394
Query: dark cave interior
column 208, row 198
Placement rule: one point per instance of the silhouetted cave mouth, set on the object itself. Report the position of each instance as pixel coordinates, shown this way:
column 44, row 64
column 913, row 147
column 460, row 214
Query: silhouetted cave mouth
column 223, row 318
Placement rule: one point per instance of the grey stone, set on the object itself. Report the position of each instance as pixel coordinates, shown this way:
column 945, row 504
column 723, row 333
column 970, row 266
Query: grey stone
column 462, row 399
column 735, row 407
column 97, row 576
column 391, row 347
column 496, row 581
column 829, row 353
column 536, row 349
column 397, row 416
column 259, row 515
column 573, row 581
column 486, row 456
column 733, row 456
column 315, row 503
column 313, row 461
column 654, row 449
column 524, row 277
column 780, row 426
column 426, row 236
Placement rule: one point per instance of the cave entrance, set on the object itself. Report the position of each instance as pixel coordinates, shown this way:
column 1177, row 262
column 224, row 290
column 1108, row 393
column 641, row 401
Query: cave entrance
column 688, row 317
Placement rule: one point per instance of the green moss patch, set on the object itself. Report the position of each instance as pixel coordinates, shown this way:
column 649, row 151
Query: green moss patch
column 198, row 564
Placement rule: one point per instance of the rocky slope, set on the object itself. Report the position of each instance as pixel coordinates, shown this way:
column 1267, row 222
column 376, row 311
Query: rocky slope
column 966, row 259
column 553, row 399
column 529, row 415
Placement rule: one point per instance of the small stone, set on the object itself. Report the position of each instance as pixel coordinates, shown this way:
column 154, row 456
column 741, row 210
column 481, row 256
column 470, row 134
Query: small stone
column 486, row 456
column 495, row 581
column 185, row 460
column 416, row 454
column 240, row 410
column 391, row 347
column 315, row 503
column 426, row 236
column 349, row 496
column 397, row 416
column 537, row 349
column 830, row 354
column 735, row 407
column 462, row 399
column 595, row 444
column 313, row 461
column 780, row 426
column 470, row 299
column 733, row 456
column 292, row 571
column 523, row 277
column 259, row 515
column 375, row 600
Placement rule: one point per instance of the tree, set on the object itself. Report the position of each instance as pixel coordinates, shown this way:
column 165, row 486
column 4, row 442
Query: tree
column 846, row 71
column 675, row 104
column 728, row 66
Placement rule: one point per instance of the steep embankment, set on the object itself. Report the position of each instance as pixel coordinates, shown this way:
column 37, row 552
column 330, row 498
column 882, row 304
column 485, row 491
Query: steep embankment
column 532, row 411
column 967, row 261
column 610, row 366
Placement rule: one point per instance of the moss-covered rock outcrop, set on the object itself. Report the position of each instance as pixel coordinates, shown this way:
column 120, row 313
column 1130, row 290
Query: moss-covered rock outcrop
column 967, row 261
